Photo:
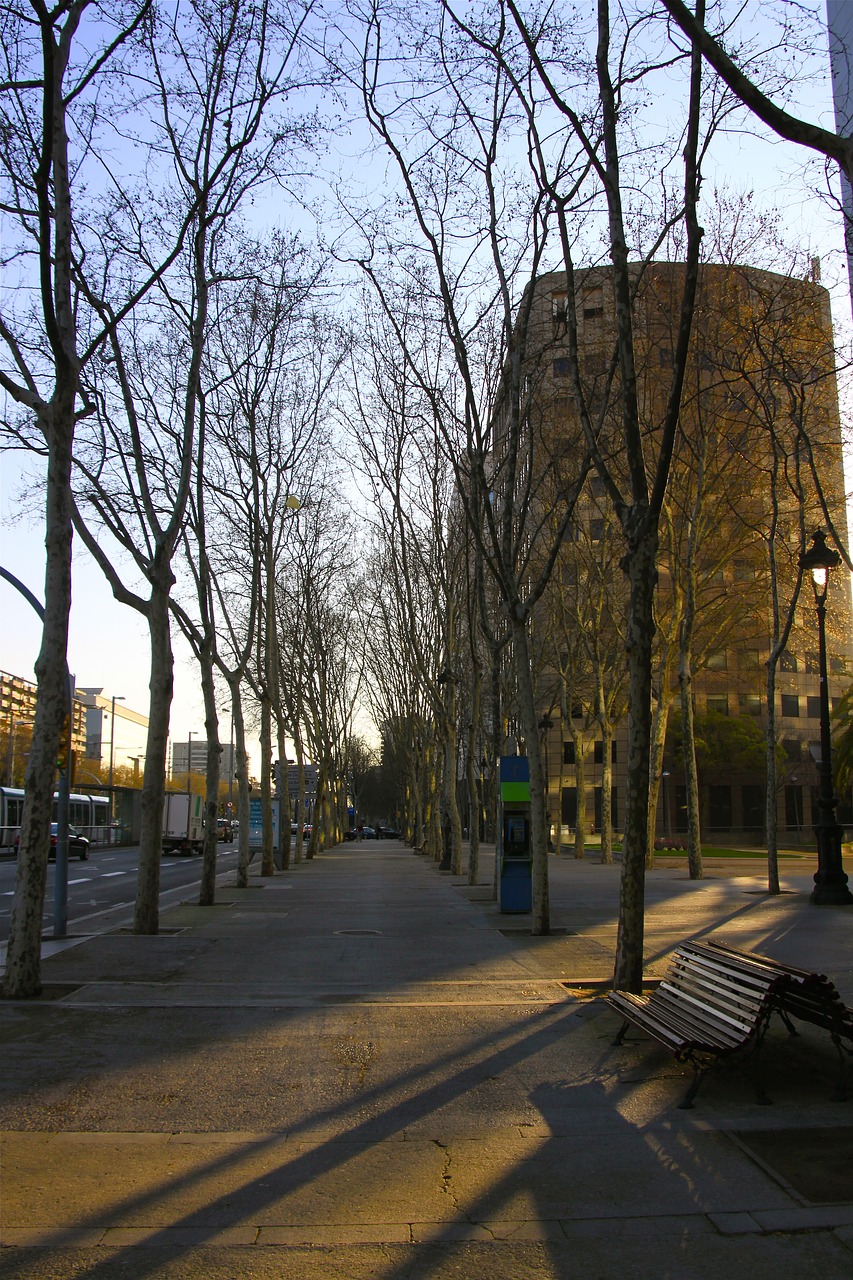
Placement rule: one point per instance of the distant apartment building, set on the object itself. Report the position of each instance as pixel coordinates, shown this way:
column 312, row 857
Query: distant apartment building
column 194, row 753
column 113, row 731
column 759, row 420
column 17, row 713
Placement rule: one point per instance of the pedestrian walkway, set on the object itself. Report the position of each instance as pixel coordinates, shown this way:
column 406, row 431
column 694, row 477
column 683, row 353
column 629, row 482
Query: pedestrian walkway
column 361, row 1068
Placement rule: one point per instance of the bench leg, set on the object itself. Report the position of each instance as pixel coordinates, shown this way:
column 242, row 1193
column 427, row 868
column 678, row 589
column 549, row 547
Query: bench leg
column 686, row 1103
column 621, row 1035
column 792, row 1030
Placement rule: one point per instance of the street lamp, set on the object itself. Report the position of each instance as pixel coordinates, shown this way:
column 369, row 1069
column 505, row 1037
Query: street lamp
column 115, row 699
column 830, row 879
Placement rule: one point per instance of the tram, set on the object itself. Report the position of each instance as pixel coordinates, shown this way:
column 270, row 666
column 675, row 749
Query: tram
column 89, row 814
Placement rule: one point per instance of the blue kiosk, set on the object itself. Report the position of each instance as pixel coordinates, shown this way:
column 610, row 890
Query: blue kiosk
column 516, row 869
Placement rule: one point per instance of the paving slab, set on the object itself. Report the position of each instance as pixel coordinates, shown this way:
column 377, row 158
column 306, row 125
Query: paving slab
column 362, row 1068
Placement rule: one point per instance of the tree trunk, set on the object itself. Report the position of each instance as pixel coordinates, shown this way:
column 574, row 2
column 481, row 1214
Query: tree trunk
column 642, row 575
column 147, row 912
column 660, row 722
column 267, row 852
column 771, row 820
column 580, row 802
column 299, row 850
column 606, row 789
column 284, row 840
column 451, row 755
column 319, row 811
column 243, row 800
column 691, row 776
column 22, row 979
column 207, row 888
column 475, row 801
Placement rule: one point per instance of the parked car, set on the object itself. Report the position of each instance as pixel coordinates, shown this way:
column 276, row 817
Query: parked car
column 368, row 833
column 352, row 834
column 224, row 829
column 388, row 833
column 78, row 846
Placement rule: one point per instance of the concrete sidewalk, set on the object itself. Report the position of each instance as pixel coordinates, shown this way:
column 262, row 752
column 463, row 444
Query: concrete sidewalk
column 361, row 1068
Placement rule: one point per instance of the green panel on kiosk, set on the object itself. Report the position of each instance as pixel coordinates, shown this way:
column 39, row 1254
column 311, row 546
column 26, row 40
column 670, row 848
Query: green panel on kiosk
column 515, row 791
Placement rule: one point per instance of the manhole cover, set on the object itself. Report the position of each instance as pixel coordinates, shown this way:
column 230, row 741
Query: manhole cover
column 360, row 933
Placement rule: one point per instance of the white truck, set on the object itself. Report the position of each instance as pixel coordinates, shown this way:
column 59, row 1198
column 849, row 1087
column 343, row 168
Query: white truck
column 183, row 823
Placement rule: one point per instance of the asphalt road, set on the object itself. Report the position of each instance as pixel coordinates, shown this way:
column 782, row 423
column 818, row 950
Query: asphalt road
column 101, row 891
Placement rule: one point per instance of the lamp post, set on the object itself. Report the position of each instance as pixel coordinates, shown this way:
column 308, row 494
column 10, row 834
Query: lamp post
column 116, row 698
column 545, row 726
column 830, row 879
column 190, row 762
column 666, row 819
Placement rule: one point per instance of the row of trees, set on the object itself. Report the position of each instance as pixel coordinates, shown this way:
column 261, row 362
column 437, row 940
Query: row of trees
column 183, row 374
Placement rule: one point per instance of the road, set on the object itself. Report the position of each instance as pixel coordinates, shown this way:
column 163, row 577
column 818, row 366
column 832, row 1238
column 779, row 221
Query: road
column 101, row 891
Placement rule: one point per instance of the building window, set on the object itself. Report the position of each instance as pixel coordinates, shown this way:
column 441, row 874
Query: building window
column 596, row 530
column 788, row 661
column 837, row 666
column 812, row 664
column 561, row 367
column 718, row 703
column 813, row 706
column 593, row 303
column 559, row 313
column 720, row 808
column 750, row 659
column 572, row 532
column 791, row 705
column 750, row 704
column 665, row 357
column 717, row 661
column 793, row 749
column 752, row 799
column 569, row 807
column 568, row 752
column 598, row 752
column 596, row 486
column 794, row 807
column 577, row 711
column 595, row 362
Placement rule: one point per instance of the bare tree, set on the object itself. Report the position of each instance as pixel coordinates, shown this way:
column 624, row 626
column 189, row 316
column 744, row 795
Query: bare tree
column 216, row 73
column 49, row 92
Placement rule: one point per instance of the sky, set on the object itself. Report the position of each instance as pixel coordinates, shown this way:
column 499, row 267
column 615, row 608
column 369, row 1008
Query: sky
column 108, row 645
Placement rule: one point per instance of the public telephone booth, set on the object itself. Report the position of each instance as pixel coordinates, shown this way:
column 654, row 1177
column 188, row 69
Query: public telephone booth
column 516, row 865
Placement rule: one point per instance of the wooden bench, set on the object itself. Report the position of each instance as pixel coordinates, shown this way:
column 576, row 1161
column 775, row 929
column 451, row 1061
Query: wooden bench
column 811, row 997
column 708, row 1009
column 714, row 1005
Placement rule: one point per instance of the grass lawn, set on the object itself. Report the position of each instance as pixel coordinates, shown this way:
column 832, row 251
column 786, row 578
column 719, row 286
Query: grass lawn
column 715, row 851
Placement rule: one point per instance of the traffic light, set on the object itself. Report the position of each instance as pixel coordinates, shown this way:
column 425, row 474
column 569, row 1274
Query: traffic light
column 63, row 760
